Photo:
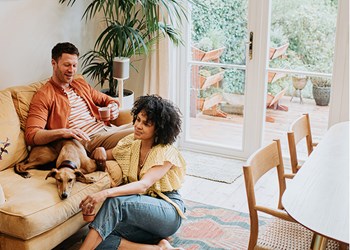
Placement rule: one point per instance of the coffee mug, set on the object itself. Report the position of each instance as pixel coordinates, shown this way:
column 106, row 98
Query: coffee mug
column 105, row 113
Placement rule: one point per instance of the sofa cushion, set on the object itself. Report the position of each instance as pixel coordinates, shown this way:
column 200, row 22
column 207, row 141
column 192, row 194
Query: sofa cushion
column 22, row 96
column 10, row 128
column 33, row 206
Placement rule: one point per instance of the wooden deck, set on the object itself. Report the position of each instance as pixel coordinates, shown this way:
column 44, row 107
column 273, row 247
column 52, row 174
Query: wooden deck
column 229, row 131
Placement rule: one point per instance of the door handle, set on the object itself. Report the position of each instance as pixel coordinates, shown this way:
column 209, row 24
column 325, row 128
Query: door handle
column 251, row 37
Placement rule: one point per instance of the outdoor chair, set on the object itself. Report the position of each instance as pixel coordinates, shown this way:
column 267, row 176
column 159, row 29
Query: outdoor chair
column 281, row 232
column 299, row 130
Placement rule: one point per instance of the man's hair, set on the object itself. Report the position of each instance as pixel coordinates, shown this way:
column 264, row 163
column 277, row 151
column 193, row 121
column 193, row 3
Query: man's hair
column 61, row 48
column 165, row 116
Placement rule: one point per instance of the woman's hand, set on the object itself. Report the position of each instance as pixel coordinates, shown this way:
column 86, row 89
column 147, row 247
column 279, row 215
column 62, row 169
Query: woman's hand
column 114, row 111
column 89, row 203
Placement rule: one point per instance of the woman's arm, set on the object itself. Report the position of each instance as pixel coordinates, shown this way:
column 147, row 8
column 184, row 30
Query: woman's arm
column 137, row 187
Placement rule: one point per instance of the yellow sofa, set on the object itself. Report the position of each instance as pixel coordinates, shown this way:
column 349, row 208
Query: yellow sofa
column 32, row 216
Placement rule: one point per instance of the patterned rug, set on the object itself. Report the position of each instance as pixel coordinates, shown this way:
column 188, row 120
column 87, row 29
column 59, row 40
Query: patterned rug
column 210, row 227
column 212, row 167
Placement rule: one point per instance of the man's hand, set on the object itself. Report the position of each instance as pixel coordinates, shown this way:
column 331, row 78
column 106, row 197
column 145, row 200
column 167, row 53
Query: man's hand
column 77, row 134
column 114, row 111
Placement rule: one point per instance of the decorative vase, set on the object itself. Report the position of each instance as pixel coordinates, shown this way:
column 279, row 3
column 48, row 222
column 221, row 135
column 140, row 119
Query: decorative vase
column 321, row 95
column 299, row 82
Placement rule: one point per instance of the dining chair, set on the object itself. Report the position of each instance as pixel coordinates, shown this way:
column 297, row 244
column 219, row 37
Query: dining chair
column 299, row 130
column 281, row 232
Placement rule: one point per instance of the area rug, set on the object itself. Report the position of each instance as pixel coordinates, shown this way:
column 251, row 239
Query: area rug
column 210, row 227
column 212, row 167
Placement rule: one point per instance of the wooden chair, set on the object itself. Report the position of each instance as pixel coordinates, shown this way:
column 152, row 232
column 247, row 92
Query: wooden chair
column 299, row 130
column 282, row 232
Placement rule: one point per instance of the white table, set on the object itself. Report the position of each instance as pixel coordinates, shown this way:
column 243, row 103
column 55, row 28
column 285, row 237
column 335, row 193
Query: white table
column 318, row 196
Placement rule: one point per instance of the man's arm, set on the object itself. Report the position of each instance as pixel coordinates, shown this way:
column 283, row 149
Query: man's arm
column 44, row 136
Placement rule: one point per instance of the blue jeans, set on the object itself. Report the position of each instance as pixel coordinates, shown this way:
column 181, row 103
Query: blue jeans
column 137, row 218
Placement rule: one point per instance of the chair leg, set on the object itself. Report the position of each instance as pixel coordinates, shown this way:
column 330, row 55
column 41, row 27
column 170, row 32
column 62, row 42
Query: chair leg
column 318, row 242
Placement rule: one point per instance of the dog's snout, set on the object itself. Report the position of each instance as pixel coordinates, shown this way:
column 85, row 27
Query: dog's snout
column 64, row 195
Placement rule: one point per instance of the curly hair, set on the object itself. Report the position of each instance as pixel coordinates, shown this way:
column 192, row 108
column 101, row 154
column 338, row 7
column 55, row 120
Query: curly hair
column 165, row 116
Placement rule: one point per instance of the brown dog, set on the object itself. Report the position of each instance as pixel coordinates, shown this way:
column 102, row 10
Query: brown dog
column 72, row 163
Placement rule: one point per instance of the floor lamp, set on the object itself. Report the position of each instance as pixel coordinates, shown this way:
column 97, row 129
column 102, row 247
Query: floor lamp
column 121, row 72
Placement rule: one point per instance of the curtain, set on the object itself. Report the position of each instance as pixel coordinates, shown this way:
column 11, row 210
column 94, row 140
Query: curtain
column 157, row 70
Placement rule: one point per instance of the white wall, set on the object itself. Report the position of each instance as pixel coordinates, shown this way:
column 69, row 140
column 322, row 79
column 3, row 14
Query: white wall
column 30, row 28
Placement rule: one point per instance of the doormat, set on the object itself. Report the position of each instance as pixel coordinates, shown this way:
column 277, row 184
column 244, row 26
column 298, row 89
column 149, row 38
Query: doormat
column 212, row 167
column 210, row 227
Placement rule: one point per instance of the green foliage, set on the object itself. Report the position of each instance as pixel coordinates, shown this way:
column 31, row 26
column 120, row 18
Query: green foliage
column 308, row 26
column 320, row 81
column 204, row 93
column 132, row 27
column 224, row 23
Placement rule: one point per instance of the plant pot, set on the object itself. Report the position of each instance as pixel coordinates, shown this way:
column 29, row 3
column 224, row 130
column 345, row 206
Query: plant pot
column 299, row 82
column 279, row 51
column 272, row 77
column 128, row 98
column 321, row 95
column 206, row 56
column 206, row 82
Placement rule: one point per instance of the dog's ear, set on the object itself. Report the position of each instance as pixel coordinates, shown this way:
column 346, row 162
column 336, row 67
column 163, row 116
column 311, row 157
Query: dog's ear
column 82, row 178
column 52, row 173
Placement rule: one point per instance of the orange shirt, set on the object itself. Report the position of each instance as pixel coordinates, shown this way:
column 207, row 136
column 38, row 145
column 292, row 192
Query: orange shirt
column 50, row 109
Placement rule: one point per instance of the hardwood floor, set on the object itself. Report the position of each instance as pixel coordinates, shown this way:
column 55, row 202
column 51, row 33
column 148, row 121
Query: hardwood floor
column 231, row 196
column 229, row 131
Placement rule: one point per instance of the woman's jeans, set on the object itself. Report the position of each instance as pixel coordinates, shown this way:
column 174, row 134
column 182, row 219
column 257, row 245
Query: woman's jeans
column 137, row 218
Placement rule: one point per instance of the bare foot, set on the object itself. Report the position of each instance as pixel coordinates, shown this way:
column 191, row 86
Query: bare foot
column 164, row 245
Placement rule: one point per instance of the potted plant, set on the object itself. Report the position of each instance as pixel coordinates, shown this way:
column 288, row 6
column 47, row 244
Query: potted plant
column 131, row 28
column 278, row 43
column 321, row 90
column 210, row 47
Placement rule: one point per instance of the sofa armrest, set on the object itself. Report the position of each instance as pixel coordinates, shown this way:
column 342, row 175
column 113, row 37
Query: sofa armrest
column 2, row 196
column 123, row 118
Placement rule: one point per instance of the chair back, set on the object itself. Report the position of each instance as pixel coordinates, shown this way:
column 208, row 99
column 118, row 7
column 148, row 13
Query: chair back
column 263, row 160
column 299, row 130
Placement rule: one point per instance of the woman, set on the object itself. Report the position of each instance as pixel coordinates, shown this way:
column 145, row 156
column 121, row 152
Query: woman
column 147, row 209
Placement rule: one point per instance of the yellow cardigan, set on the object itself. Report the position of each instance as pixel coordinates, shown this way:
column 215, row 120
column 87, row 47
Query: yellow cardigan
column 127, row 154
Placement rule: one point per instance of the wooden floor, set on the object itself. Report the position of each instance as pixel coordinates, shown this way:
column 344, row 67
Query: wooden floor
column 233, row 195
column 228, row 131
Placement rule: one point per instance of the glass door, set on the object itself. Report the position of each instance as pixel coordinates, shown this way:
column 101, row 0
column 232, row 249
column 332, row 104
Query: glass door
column 222, row 98
column 301, row 51
column 250, row 68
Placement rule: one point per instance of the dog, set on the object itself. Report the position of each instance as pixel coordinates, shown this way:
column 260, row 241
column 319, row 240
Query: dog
column 71, row 161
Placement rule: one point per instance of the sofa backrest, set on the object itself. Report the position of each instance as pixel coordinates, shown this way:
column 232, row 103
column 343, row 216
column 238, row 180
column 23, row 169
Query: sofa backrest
column 14, row 107
column 10, row 129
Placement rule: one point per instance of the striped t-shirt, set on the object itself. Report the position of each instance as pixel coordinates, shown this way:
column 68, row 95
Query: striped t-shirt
column 80, row 116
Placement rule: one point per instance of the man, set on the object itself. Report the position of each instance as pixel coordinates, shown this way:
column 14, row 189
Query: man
column 66, row 108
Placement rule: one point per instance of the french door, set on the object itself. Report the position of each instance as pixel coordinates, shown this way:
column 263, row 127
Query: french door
column 243, row 55
column 223, row 98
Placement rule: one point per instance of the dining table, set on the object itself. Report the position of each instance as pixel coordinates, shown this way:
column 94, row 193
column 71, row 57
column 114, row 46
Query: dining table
column 318, row 195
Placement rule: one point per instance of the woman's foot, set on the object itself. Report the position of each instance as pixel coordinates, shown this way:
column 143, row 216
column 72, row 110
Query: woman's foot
column 164, row 245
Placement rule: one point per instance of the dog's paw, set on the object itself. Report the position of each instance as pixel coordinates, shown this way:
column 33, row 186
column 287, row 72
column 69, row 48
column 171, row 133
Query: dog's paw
column 25, row 174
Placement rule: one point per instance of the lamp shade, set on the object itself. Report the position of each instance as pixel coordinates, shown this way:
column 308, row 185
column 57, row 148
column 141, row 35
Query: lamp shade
column 121, row 67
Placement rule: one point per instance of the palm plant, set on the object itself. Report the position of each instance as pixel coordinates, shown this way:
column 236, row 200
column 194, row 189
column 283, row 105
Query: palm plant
column 132, row 27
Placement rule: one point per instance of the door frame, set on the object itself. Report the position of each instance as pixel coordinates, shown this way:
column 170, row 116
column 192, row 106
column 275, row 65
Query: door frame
column 255, row 97
column 254, row 110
